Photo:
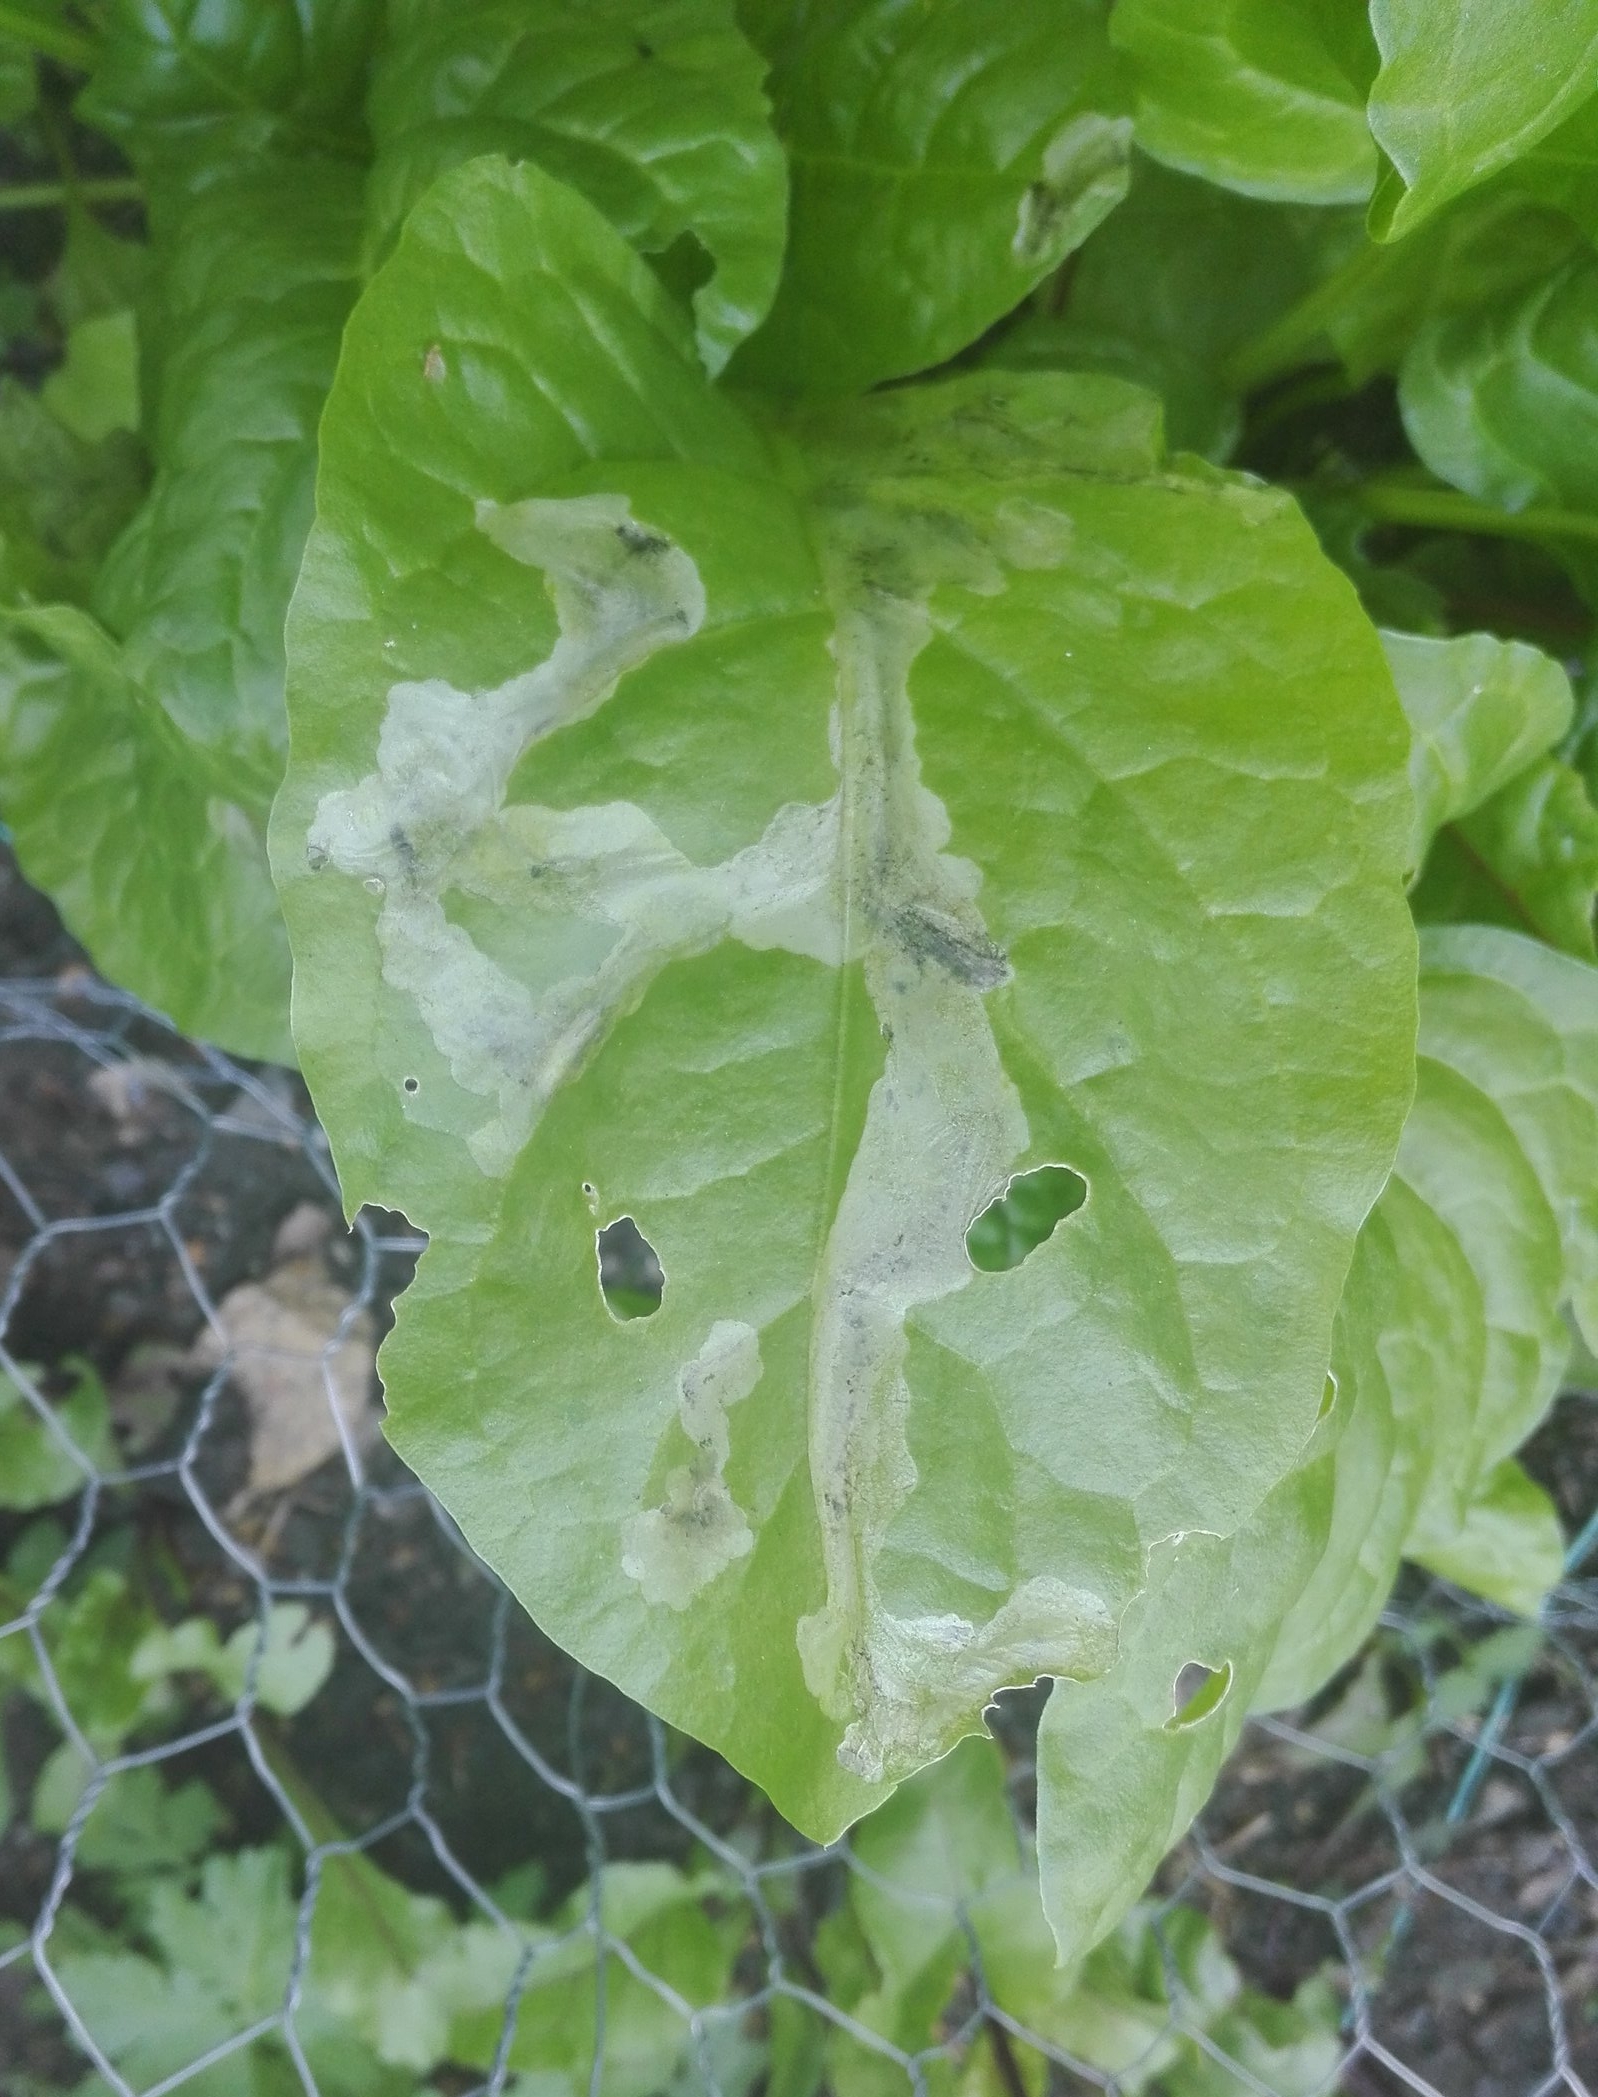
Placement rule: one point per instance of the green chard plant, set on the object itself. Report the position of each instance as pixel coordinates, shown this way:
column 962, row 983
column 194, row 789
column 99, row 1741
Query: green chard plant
column 855, row 634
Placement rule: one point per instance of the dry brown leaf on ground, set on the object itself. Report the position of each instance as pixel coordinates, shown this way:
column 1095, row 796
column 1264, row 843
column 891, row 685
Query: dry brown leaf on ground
column 294, row 1358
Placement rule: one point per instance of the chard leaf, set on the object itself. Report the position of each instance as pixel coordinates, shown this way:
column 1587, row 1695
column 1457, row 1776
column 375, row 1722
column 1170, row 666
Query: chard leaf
column 645, row 855
column 186, row 716
column 1465, row 87
column 1176, row 279
column 1509, row 1545
column 185, row 84
column 63, row 500
column 1450, row 1346
column 1491, row 245
column 1502, row 399
column 943, row 161
column 1262, row 96
column 1119, row 1780
column 255, row 276
column 1480, row 710
column 1526, row 858
column 652, row 108
column 1521, row 1024
column 159, row 873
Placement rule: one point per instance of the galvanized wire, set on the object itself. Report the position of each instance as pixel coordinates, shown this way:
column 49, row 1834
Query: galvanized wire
column 1421, row 1837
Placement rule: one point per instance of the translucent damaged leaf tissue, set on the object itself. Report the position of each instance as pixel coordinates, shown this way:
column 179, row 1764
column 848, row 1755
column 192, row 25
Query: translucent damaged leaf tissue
column 783, row 831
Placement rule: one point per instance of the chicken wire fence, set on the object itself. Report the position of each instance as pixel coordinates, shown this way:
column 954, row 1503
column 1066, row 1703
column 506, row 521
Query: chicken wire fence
column 296, row 1798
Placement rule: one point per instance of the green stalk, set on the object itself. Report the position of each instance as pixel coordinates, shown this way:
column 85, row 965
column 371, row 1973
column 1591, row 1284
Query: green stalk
column 47, row 196
column 38, row 24
column 1288, row 341
column 1445, row 509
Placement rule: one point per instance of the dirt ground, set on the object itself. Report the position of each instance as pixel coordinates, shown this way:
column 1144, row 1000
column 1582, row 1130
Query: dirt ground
column 1298, row 1856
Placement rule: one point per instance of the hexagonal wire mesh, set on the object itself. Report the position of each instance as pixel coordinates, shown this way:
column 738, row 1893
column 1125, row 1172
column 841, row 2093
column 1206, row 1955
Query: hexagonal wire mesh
column 298, row 1799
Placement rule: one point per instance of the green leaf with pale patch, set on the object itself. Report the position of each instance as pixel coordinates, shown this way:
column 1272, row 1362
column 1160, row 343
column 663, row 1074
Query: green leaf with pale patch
column 784, row 832
column 944, row 159
column 652, row 108
column 1450, row 1348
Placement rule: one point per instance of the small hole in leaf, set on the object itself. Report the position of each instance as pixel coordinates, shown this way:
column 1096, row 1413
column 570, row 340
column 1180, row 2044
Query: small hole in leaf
column 1328, row 1396
column 631, row 1278
column 412, row 1084
column 1023, row 1216
column 1197, row 1691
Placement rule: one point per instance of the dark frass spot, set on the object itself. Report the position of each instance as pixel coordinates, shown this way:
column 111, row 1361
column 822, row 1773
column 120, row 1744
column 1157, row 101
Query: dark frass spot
column 1024, row 1215
column 637, row 540
column 932, row 940
column 1197, row 1691
column 631, row 1278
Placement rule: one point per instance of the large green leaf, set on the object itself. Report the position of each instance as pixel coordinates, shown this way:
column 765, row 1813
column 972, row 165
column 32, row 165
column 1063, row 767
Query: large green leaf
column 1263, row 96
column 1465, row 87
column 255, row 278
column 783, row 837
column 944, row 159
column 652, row 108
column 1450, row 1346
column 185, row 83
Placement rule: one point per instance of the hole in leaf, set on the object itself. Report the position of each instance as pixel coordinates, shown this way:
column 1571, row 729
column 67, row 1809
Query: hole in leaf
column 412, row 1084
column 1023, row 1216
column 631, row 1278
column 1328, row 1396
column 1197, row 1691
column 684, row 266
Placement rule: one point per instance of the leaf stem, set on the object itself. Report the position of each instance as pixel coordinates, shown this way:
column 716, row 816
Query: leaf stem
column 39, row 25
column 49, row 196
column 1289, row 339
column 1004, row 2059
column 1446, row 509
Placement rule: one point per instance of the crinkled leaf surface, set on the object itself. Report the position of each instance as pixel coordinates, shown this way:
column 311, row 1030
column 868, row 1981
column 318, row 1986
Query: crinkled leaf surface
column 1480, row 711
column 782, row 836
column 1526, row 858
column 1489, row 246
column 652, row 108
column 1449, row 1348
column 186, row 716
column 1465, row 87
column 258, row 274
column 184, row 82
column 1262, row 96
column 944, row 159
column 63, row 500
column 161, row 876
column 1502, row 399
